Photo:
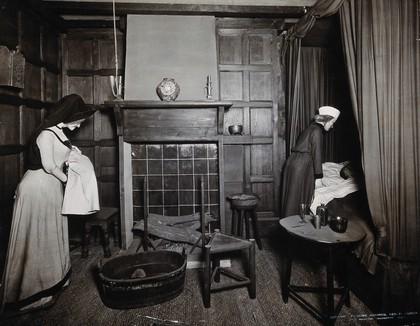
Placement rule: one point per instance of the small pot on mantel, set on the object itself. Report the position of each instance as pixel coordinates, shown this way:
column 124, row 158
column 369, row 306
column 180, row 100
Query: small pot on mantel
column 168, row 89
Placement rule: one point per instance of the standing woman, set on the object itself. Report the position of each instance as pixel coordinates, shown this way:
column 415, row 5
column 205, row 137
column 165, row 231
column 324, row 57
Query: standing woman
column 304, row 164
column 38, row 256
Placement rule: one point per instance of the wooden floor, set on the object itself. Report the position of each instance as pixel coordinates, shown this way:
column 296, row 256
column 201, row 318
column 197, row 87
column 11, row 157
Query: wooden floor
column 80, row 303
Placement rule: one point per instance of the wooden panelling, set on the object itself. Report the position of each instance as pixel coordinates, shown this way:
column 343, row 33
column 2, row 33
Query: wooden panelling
column 85, row 132
column 108, row 197
column 266, row 193
column 51, row 90
column 106, row 53
column 231, row 86
column 103, row 91
column 21, row 111
column 31, row 37
column 235, row 116
column 260, row 48
column 248, row 70
column 260, row 86
column 50, row 46
column 107, row 122
column 80, row 54
column 88, row 61
column 9, row 116
column 262, row 159
column 234, row 168
column 33, row 82
column 9, row 34
column 261, row 122
column 230, row 49
column 9, row 176
column 31, row 118
column 81, row 85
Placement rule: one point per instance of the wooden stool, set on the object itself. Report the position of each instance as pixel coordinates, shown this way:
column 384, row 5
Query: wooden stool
column 224, row 244
column 244, row 208
column 102, row 221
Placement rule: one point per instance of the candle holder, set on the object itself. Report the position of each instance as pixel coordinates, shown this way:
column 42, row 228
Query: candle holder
column 209, row 88
column 116, row 86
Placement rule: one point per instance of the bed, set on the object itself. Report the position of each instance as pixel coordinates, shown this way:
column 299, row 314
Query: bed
column 347, row 198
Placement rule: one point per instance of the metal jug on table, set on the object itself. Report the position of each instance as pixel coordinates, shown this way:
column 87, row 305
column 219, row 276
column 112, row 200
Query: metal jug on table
column 322, row 211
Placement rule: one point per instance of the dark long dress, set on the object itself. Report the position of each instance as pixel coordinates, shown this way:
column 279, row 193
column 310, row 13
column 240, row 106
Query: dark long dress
column 302, row 167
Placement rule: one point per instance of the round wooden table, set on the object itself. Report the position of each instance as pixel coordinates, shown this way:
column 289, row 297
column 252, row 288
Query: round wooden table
column 333, row 241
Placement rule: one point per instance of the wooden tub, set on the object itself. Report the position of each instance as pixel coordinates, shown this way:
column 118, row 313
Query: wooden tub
column 142, row 279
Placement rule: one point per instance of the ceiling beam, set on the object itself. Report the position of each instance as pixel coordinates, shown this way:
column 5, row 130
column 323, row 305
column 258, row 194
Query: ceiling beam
column 105, row 8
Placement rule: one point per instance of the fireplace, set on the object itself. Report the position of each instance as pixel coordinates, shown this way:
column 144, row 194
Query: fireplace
column 173, row 145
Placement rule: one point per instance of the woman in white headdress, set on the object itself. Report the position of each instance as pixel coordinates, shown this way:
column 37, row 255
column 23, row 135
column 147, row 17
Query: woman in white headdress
column 304, row 164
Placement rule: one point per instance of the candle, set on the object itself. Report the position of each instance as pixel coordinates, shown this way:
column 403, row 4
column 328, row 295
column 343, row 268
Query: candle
column 208, row 79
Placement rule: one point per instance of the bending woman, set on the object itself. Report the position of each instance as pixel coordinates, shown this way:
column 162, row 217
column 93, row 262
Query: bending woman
column 304, row 164
column 38, row 256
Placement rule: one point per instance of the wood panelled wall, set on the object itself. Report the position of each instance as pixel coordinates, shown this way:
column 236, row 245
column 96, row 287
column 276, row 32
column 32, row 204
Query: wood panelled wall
column 81, row 61
column 88, row 61
column 21, row 110
column 252, row 77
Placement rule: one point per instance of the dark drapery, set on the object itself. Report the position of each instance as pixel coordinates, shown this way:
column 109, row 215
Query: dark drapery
column 308, row 79
column 381, row 48
column 309, row 87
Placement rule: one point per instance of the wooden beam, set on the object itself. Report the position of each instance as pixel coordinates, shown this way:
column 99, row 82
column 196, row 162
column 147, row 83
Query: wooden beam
column 105, row 8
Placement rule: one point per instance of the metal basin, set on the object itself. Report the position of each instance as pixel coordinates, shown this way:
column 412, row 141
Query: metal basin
column 142, row 279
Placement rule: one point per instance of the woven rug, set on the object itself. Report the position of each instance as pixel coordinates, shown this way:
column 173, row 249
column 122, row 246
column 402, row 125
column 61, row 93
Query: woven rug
column 80, row 302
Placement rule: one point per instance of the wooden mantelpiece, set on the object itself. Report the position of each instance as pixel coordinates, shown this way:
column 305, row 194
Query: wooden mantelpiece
column 143, row 122
column 156, row 121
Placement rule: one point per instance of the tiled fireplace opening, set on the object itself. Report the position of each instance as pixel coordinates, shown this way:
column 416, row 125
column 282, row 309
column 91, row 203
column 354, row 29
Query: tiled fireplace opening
column 173, row 173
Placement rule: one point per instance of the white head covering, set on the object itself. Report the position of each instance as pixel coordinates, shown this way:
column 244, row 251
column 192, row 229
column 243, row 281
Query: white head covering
column 329, row 110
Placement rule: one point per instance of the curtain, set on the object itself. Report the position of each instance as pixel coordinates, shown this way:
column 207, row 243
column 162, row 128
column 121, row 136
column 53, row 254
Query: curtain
column 309, row 87
column 308, row 76
column 381, row 47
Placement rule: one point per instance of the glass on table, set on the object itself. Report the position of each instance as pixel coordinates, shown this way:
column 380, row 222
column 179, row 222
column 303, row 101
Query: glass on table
column 303, row 210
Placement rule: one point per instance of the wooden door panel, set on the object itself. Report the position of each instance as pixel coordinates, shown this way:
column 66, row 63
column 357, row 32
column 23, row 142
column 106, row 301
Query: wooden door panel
column 81, row 85
column 102, row 88
column 260, row 84
column 262, row 159
column 106, row 53
column 234, row 167
column 261, row 122
column 230, row 48
column 231, row 85
column 80, row 54
column 267, row 199
column 260, row 49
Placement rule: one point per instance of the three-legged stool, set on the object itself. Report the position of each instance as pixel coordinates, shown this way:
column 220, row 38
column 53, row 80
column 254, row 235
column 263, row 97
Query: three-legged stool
column 244, row 208
column 218, row 245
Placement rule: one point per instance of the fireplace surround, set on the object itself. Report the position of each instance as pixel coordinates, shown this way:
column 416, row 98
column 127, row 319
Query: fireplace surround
column 173, row 145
